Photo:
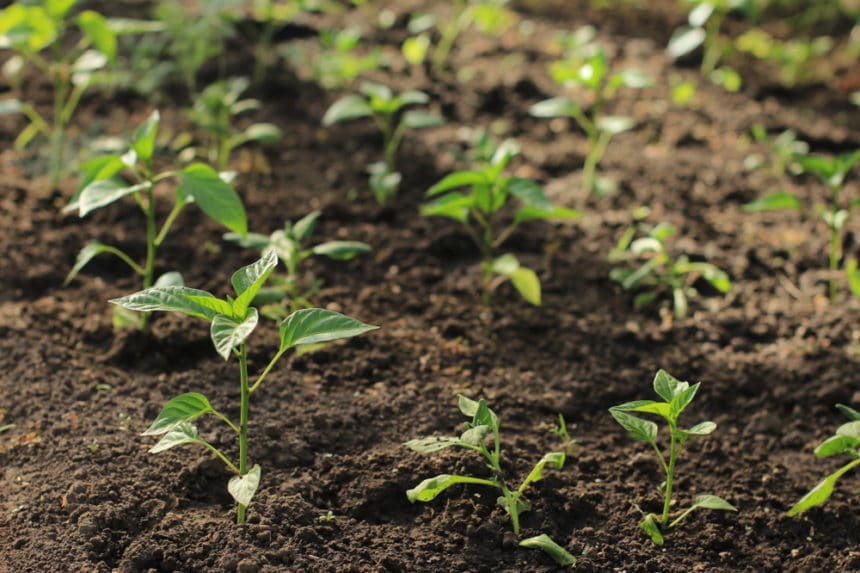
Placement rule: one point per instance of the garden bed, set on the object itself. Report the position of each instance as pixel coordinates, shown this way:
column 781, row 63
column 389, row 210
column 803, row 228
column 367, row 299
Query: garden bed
column 774, row 356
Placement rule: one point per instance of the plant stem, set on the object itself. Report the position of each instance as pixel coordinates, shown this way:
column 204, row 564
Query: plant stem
column 149, row 268
column 670, row 474
column 243, row 423
column 449, row 36
column 390, row 142
column 835, row 242
column 56, row 146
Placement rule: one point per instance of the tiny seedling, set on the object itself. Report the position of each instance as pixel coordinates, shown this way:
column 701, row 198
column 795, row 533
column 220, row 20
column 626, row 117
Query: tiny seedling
column 832, row 172
column 290, row 245
column 784, row 150
column 601, row 84
column 215, row 111
column 484, row 425
column 232, row 321
column 103, row 185
column 388, row 111
column 660, row 271
column 337, row 60
column 795, row 58
column 676, row 396
column 561, row 432
column 846, row 440
column 479, row 210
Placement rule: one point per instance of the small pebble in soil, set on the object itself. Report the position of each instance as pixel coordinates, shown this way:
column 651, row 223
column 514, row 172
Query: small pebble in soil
column 509, row 540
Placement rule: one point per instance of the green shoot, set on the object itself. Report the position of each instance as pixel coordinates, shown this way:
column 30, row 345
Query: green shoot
column 656, row 271
column 290, row 245
column 387, row 110
column 676, row 397
column 832, row 172
column 561, row 432
column 479, row 210
column 784, row 150
column 336, row 60
column 103, row 185
column 593, row 75
column 232, row 321
column 483, row 427
column 846, row 440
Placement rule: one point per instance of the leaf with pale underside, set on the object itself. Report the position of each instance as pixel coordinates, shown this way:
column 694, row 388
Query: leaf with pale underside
column 180, row 434
column 313, row 325
column 183, row 408
column 227, row 333
column 104, row 192
column 248, row 280
column 243, row 488
column 168, row 298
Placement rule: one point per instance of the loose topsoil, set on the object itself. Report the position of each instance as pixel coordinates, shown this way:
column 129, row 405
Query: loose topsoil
column 81, row 493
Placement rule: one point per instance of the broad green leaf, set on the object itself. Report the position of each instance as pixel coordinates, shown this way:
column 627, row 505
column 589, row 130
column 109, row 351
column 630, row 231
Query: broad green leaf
column 531, row 213
column 456, row 180
column 312, row 325
column 103, row 167
column 380, row 92
column 218, row 305
column 527, row 284
column 183, row 408
column 452, row 206
column 97, row 31
column 649, row 525
column 640, row 430
column 554, row 459
column 821, row 492
column 183, row 433
column 58, row 9
column 475, row 435
column 420, row 119
column 835, row 445
column 646, row 245
column 228, row 333
column 528, row 192
column 478, row 411
column 522, row 504
column 848, row 412
column 266, row 133
column 415, row 48
column 243, row 488
column 143, row 140
column 428, row 489
column 702, row 429
column 667, row 386
column 341, row 250
column 249, row 279
column 683, row 398
column 773, row 202
column 506, row 265
column 850, row 429
column 91, row 250
column 26, row 28
column 551, row 548
column 175, row 299
column 431, row 444
column 104, row 192
column 202, row 185
column 659, row 408
column 699, row 15
column 346, row 109
column 707, row 501
column 304, row 227
column 467, row 406
column 256, row 241
column 170, row 278
column 715, row 276
column 684, row 41
column 615, row 124
column 554, row 107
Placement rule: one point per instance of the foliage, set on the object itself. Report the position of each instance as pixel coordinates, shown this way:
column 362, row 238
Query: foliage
column 657, row 271
column 232, row 322
column 586, row 68
column 832, row 172
column 215, row 112
column 337, row 60
column 479, row 210
column 793, row 58
column 104, row 185
column 389, row 112
column 483, row 427
column 784, row 149
column 846, row 440
column 290, row 244
column 676, row 396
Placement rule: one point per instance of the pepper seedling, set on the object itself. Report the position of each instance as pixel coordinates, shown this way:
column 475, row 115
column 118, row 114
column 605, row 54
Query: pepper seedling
column 601, row 84
column 832, row 172
column 290, row 246
column 483, row 427
column 479, row 210
column 846, row 440
column 215, row 111
column 660, row 271
column 232, row 321
column 103, row 185
column 388, row 111
column 676, row 396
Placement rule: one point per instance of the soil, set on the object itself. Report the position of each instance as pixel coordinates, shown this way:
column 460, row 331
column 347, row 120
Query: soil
column 81, row 493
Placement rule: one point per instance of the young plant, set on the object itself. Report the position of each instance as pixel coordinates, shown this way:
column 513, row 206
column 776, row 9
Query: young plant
column 103, row 185
column 846, row 440
column 215, row 111
column 479, row 210
column 483, row 427
column 232, row 321
column 832, row 172
column 387, row 110
column 601, row 84
column 290, row 244
column 337, row 60
column 676, row 396
column 36, row 32
column 660, row 271
column 784, row 149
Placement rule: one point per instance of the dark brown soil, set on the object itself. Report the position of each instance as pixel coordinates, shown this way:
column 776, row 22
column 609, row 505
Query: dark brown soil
column 81, row 493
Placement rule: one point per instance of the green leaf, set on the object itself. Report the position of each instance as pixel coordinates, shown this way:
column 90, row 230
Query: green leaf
column 835, row 445
column 667, row 386
column 202, row 185
column 636, row 79
column 554, row 107
column 527, row 284
column 702, row 429
column 143, row 141
column 304, row 227
column 615, row 124
column 683, row 398
column 531, row 213
column 10, row 106
column 249, row 279
column 853, row 274
column 312, row 325
column 456, row 180
column 346, row 109
column 420, row 119
column 684, row 41
column 528, row 192
column 415, row 48
column 170, row 278
column 265, row 133
column 90, row 251
column 551, row 548
column 480, row 413
column 183, row 433
column 341, row 250
column 773, row 202
column 58, row 9
column 475, row 435
column 452, row 206
column 183, row 408
column 432, row 444
column 104, row 192
column 659, row 408
column 243, row 488
column 640, row 430
column 821, row 492
column 228, row 333
column 380, row 92
column 467, row 406
column 649, row 525
column 554, row 459
column 97, row 31
column 506, row 265
column 850, row 413
column 428, row 489
column 175, row 299
column 708, row 501
column 413, row 97
column 215, row 304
